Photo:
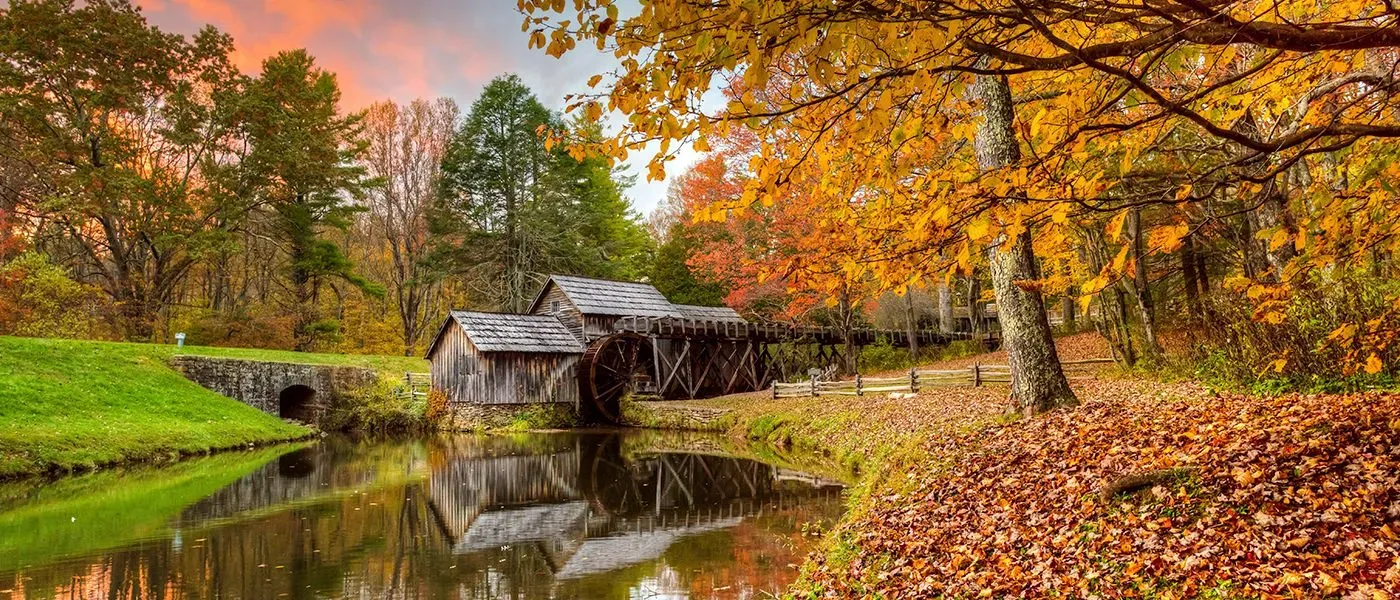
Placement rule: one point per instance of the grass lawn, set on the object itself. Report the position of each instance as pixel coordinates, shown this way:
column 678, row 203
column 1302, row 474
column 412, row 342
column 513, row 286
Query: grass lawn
column 68, row 404
column 394, row 366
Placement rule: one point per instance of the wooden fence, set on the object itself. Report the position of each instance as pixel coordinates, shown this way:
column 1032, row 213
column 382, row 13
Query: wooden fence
column 917, row 379
column 414, row 387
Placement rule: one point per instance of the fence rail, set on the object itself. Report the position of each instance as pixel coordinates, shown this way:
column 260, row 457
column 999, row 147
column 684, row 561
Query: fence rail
column 414, row 386
column 976, row 375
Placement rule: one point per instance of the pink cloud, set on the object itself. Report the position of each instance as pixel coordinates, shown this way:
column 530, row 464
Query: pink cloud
column 377, row 49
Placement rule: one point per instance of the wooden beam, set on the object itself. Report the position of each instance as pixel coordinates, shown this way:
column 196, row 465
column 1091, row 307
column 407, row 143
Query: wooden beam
column 676, row 367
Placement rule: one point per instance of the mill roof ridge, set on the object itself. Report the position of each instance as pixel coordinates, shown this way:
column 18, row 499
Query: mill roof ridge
column 610, row 297
column 510, row 332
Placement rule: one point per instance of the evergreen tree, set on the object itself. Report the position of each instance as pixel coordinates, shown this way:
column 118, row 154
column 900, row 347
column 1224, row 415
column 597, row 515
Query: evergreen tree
column 513, row 210
column 302, row 167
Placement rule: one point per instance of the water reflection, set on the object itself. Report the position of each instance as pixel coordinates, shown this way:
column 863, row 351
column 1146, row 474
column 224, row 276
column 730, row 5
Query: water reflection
column 599, row 515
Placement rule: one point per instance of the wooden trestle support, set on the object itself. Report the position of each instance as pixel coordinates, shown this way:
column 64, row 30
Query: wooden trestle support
column 674, row 358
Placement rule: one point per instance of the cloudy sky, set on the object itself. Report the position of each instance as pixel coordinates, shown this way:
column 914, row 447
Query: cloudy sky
column 400, row 50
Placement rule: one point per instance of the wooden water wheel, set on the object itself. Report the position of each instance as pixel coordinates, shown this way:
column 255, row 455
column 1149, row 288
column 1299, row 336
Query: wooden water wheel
column 611, row 368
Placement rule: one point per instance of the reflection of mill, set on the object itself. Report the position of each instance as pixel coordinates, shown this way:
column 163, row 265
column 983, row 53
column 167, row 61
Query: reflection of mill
column 587, row 509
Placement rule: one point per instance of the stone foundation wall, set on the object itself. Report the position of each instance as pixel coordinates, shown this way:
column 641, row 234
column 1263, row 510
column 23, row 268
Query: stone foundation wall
column 680, row 415
column 465, row 416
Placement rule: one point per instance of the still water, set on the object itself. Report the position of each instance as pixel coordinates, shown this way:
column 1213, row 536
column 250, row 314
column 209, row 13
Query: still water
column 564, row 515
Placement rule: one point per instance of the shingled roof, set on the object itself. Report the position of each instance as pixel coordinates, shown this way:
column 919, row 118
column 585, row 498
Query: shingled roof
column 497, row 332
column 612, row 298
column 723, row 314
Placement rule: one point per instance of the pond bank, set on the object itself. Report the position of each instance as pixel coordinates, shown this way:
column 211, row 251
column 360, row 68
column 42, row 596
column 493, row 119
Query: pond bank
column 1146, row 489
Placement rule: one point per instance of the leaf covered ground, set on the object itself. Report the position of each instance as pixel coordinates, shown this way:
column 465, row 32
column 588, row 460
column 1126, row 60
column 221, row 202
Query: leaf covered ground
column 1293, row 496
column 1286, row 497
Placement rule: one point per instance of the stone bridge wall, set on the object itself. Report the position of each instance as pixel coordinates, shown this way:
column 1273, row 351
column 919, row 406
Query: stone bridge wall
column 269, row 386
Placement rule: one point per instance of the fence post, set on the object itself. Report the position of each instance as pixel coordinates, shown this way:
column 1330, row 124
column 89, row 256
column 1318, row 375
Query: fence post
column 913, row 380
column 858, row 390
column 976, row 374
column 813, row 381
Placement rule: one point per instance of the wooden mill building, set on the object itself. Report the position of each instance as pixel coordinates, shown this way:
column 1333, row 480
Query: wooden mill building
column 588, row 342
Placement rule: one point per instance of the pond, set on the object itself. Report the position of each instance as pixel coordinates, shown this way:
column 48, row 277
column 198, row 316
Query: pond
column 544, row 515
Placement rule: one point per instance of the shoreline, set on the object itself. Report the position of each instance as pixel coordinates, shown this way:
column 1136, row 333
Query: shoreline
column 157, row 459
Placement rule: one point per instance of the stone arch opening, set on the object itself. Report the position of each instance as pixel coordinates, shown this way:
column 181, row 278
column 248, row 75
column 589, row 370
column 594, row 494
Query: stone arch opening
column 297, row 402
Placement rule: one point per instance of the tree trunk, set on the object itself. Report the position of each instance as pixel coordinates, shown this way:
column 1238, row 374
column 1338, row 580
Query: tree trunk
column 1038, row 383
column 911, row 320
column 974, row 303
column 1189, row 279
column 945, row 307
column 849, row 360
column 1068, row 308
column 1142, row 288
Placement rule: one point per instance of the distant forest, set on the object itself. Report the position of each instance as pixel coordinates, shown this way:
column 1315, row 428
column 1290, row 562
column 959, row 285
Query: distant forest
column 148, row 187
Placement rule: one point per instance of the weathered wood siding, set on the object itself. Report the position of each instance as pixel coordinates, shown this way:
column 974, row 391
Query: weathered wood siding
column 466, row 375
column 567, row 313
column 452, row 360
column 597, row 326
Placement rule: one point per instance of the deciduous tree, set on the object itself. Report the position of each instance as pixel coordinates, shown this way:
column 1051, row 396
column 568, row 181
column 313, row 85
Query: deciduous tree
column 406, row 146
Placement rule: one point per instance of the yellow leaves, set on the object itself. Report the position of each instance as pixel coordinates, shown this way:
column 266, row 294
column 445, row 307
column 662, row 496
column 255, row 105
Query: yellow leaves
column 1114, row 228
column 1237, row 283
column 656, row 171
column 1184, row 192
column 593, row 111
column 1373, row 364
column 1121, row 260
column 941, row 215
column 977, row 230
column 1345, row 333
column 538, row 39
column 1167, row 238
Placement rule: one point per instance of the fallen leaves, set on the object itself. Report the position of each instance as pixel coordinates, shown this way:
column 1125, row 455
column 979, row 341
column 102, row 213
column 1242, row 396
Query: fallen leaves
column 1289, row 497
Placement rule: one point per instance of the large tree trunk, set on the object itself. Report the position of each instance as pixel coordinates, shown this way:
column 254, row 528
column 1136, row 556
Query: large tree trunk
column 1142, row 289
column 945, row 307
column 1038, row 383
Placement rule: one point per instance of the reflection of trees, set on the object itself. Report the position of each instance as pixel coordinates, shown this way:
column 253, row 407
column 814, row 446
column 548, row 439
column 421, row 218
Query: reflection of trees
column 563, row 516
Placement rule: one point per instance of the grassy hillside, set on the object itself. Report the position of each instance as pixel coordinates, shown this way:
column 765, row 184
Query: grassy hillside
column 68, row 404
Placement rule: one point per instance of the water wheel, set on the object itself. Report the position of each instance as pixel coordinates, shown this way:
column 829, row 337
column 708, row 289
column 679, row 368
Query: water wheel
column 611, row 368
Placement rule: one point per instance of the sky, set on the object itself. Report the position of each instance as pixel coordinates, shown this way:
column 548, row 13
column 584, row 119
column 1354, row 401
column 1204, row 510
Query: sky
column 404, row 49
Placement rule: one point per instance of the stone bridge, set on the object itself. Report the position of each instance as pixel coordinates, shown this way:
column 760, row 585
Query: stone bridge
column 289, row 390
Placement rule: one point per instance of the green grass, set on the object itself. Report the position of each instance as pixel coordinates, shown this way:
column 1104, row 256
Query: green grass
column 393, row 366
column 68, row 405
